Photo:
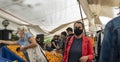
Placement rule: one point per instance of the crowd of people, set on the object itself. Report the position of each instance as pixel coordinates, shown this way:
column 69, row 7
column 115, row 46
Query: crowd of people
column 73, row 44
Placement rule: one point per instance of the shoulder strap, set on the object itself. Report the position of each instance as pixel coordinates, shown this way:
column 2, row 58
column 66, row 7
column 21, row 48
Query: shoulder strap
column 43, row 53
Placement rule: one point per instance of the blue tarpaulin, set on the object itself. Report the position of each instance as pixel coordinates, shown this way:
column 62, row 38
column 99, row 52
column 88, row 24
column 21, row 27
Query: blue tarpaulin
column 4, row 60
column 7, row 54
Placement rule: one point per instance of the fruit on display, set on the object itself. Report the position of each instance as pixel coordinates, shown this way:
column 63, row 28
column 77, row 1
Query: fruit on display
column 53, row 56
column 13, row 49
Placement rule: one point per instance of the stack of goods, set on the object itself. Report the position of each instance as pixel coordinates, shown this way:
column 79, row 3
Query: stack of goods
column 53, row 56
column 13, row 49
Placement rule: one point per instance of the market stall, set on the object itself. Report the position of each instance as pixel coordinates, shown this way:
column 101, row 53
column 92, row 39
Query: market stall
column 9, row 52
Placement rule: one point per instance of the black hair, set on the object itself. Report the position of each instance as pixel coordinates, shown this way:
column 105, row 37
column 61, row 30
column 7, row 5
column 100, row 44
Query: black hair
column 37, row 37
column 69, row 29
column 55, row 36
column 79, row 23
column 64, row 33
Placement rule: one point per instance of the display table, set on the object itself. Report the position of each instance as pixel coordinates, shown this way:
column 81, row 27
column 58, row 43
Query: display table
column 8, row 54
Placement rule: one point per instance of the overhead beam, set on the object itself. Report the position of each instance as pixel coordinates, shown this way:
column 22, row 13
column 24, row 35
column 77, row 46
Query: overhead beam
column 6, row 15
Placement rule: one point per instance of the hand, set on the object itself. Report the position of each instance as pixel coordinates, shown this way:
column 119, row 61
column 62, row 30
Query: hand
column 22, row 48
column 57, row 47
column 0, row 42
column 18, row 49
column 84, row 59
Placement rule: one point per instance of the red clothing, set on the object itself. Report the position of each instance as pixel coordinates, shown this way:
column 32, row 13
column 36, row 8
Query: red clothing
column 87, row 49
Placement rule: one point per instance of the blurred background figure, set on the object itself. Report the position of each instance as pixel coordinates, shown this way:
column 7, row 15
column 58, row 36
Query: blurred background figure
column 70, row 31
column 48, row 47
column 38, row 40
column 63, row 39
column 55, row 42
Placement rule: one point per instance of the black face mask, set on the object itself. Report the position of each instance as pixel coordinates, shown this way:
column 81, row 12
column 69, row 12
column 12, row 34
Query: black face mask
column 78, row 31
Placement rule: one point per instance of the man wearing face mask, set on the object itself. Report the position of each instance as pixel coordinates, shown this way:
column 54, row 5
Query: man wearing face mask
column 78, row 48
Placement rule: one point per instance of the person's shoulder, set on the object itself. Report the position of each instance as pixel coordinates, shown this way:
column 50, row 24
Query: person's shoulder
column 114, row 23
column 71, row 34
column 114, row 20
column 86, row 38
column 28, row 35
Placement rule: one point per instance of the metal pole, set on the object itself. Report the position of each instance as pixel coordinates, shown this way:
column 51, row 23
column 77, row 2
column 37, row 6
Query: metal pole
column 81, row 16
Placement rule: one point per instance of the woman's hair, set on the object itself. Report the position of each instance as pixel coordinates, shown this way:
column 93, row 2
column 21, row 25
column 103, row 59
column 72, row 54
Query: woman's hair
column 25, row 29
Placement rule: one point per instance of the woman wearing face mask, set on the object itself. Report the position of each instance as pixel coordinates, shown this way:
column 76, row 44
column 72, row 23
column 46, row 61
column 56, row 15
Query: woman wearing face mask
column 78, row 48
column 28, row 45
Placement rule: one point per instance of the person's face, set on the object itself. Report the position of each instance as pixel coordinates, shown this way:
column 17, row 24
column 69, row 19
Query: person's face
column 78, row 25
column 38, row 39
column 62, row 36
column 69, row 32
column 56, row 37
column 20, row 33
column 78, row 29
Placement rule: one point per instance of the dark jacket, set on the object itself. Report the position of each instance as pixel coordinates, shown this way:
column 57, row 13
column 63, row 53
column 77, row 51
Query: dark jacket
column 111, row 42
